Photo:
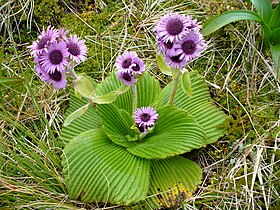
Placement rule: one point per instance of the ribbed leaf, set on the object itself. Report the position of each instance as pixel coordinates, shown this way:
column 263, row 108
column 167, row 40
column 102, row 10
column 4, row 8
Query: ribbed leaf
column 186, row 83
column 117, row 124
column 198, row 105
column 175, row 133
column 225, row 18
column 76, row 114
column 97, row 170
column 264, row 9
column 89, row 120
column 148, row 90
column 172, row 181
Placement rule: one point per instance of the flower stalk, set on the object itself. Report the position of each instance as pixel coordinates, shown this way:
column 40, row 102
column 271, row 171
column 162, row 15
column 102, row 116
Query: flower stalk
column 134, row 98
column 176, row 75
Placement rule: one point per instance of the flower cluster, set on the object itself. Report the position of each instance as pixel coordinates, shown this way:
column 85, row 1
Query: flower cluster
column 145, row 118
column 129, row 65
column 179, row 39
column 54, row 52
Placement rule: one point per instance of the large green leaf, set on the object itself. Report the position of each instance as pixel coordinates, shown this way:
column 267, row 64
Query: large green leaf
column 148, row 90
column 97, row 170
column 175, row 133
column 117, row 124
column 172, row 181
column 199, row 106
column 264, row 9
column 89, row 120
column 223, row 19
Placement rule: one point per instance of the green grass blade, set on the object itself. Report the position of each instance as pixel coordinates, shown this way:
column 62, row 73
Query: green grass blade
column 274, row 21
column 10, row 81
column 264, row 9
column 221, row 20
column 275, row 51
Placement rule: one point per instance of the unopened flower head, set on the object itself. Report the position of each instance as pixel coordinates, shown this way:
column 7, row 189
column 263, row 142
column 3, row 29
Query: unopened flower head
column 145, row 117
column 77, row 49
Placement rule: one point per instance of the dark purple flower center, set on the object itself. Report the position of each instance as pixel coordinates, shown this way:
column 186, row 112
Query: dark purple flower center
column 189, row 47
column 168, row 44
column 135, row 67
column 174, row 26
column 43, row 42
column 145, row 117
column 126, row 76
column 56, row 57
column 126, row 63
column 74, row 49
column 176, row 59
column 56, row 76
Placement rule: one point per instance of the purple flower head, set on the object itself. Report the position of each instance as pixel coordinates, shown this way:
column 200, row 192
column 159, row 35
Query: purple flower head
column 77, row 49
column 62, row 33
column 175, row 61
column 145, row 117
column 194, row 25
column 137, row 66
column 55, row 58
column 172, row 27
column 191, row 46
column 124, row 61
column 165, row 47
column 46, row 37
column 57, row 78
column 126, row 77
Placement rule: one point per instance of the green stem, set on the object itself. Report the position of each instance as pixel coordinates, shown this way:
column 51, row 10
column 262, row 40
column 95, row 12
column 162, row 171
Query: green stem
column 134, row 95
column 174, row 88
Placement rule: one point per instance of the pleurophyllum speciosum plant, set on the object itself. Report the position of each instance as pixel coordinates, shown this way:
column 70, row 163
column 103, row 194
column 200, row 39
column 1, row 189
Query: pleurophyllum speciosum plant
column 124, row 136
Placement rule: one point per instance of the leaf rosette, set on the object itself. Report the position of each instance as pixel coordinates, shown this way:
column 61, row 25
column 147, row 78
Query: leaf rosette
column 106, row 160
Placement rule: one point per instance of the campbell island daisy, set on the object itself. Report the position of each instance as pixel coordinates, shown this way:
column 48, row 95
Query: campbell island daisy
column 165, row 47
column 191, row 46
column 57, row 78
column 175, row 61
column 77, row 49
column 126, row 77
column 145, row 117
column 124, row 61
column 137, row 66
column 172, row 27
column 47, row 36
column 55, row 58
